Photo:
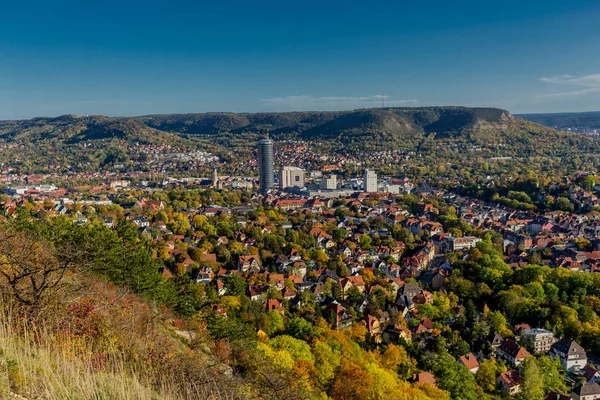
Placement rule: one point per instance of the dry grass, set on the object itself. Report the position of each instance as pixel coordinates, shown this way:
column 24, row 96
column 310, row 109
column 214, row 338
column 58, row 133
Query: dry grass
column 115, row 352
column 36, row 369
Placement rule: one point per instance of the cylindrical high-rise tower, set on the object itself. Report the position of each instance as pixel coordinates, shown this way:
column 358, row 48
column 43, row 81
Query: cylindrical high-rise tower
column 265, row 164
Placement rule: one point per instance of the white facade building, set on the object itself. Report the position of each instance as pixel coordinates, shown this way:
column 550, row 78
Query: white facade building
column 291, row 177
column 571, row 355
column 370, row 181
column 540, row 339
column 329, row 183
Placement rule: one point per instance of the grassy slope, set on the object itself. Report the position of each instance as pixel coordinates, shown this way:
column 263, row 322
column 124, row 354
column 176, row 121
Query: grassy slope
column 38, row 370
column 95, row 341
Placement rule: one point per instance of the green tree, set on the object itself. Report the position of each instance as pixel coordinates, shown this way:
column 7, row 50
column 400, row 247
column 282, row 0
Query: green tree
column 235, row 285
column 588, row 182
column 299, row 328
column 299, row 349
column 551, row 372
column 486, row 375
column 454, row 378
column 326, row 361
column 365, row 242
column 276, row 322
column 353, row 295
column 564, row 204
column 532, row 381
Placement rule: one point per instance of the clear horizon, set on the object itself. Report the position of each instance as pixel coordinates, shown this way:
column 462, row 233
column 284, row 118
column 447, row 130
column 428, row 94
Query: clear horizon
column 142, row 58
column 258, row 112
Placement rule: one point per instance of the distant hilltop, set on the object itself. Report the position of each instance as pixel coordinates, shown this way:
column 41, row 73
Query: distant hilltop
column 419, row 137
column 320, row 124
column 386, row 126
column 577, row 120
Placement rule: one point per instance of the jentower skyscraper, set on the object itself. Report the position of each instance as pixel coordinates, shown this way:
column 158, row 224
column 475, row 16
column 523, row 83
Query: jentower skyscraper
column 265, row 164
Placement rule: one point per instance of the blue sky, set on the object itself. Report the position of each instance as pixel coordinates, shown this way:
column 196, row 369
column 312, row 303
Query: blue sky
column 134, row 58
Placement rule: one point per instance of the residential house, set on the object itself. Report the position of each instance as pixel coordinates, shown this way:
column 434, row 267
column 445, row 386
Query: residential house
column 109, row 222
column 571, row 355
column 469, row 361
column 202, row 275
column 374, row 328
column 557, row 396
column 393, row 334
column 220, row 285
column 509, row 382
column 249, row 263
column 512, row 352
column 424, row 378
column 257, row 292
column 218, row 309
column 519, row 328
column 345, row 285
column 425, row 326
column 451, row 244
column 590, row 374
column 140, row 221
column 410, row 290
column 586, row 391
column 278, row 280
column 439, row 279
column 294, row 255
column 423, row 297
column 287, row 293
column 338, row 315
column 357, row 281
column 274, row 305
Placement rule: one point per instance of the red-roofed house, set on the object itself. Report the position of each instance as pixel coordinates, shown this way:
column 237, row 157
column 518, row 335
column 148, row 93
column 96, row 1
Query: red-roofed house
column 275, row 305
column 247, row 263
column 470, row 362
column 373, row 326
column 424, row 378
column 337, row 314
column 512, row 352
column 509, row 382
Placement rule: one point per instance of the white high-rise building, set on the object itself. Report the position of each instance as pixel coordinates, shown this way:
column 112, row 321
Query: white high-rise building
column 291, row 177
column 370, row 181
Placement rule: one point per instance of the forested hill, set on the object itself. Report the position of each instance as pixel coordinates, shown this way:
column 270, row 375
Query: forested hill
column 71, row 129
column 583, row 120
column 393, row 124
column 461, row 135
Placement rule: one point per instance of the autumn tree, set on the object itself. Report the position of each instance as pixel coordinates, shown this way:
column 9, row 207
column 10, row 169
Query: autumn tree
column 28, row 266
column 35, row 258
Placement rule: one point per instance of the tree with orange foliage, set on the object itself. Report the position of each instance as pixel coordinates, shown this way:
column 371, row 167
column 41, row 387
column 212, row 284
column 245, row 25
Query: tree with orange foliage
column 352, row 382
column 396, row 359
column 368, row 276
column 475, row 254
column 357, row 333
column 29, row 266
